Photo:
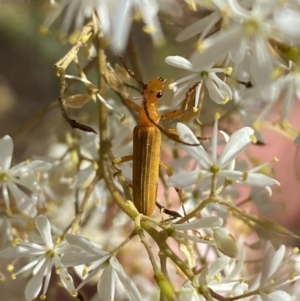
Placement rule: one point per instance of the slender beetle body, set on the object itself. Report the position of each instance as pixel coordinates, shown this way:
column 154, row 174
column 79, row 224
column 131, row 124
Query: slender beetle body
column 146, row 157
column 146, row 149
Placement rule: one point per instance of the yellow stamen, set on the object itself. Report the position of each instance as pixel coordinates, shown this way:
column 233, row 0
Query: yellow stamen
column 217, row 278
column 171, row 86
column 74, row 37
column 43, row 30
column 149, row 29
column 225, row 100
column 285, row 124
column 192, row 5
column 86, row 37
column 95, row 165
column 58, row 240
column 276, row 73
column 200, row 176
column 123, row 118
column 200, row 46
column 256, row 125
column 217, row 116
column 8, row 212
column 253, row 138
column 228, row 71
column 15, row 242
column 85, row 271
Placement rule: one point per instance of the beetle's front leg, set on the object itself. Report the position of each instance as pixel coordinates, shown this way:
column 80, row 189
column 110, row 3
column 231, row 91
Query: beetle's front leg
column 184, row 104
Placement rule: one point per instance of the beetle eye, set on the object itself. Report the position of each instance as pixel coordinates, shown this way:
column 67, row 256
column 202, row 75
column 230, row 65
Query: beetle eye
column 159, row 94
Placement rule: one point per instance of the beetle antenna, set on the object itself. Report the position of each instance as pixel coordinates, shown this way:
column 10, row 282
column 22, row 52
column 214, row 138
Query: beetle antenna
column 132, row 74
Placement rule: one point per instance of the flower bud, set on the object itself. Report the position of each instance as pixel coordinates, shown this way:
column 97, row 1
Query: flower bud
column 226, row 242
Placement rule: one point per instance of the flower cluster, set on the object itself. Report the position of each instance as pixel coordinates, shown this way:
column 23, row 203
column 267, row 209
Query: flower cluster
column 22, row 175
column 72, row 214
column 221, row 169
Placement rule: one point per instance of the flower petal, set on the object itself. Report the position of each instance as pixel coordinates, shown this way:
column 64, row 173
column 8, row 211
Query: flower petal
column 106, row 284
column 44, row 228
column 129, row 286
column 218, row 265
column 260, row 180
column 34, row 285
column 197, row 152
column 85, row 244
column 183, row 179
column 15, row 252
column 6, row 147
column 236, row 144
column 216, row 46
column 25, row 203
column 271, row 263
column 206, row 222
column 121, row 26
column 179, row 62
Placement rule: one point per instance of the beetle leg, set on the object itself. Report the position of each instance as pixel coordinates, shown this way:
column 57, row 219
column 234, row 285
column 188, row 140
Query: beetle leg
column 184, row 104
column 173, row 134
column 163, row 209
column 166, row 168
column 174, row 214
column 119, row 161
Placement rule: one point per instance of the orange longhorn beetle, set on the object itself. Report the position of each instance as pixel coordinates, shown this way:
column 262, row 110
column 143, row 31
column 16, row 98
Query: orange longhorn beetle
column 147, row 143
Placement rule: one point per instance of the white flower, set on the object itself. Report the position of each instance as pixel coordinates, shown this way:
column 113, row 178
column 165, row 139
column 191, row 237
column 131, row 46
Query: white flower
column 7, row 224
column 114, row 16
column 219, row 10
column 222, row 167
column 100, row 261
column 284, row 90
column 273, row 267
column 121, row 18
column 287, row 21
column 288, row 87
column 44, row 255
column 75, row 13
column 245, row 38
column 218, row 90
column 21, row 175
column 222, row 276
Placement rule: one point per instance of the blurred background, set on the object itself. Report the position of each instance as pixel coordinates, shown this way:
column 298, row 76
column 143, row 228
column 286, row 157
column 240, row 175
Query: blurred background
column 29, row 88
column 30, row 115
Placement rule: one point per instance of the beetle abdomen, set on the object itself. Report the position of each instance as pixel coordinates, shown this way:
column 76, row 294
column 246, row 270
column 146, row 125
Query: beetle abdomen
column 146, row 158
